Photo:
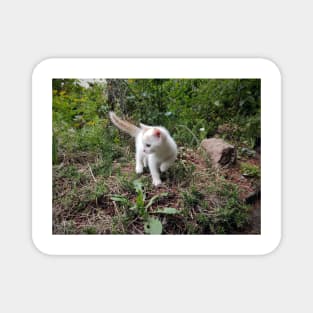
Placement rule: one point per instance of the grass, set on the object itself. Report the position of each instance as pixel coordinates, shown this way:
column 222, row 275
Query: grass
column 98, row 192
column 250, row 170
column 95, row 188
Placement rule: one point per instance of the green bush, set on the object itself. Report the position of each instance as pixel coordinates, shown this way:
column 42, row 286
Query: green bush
column 191, row 109
column 93, row 173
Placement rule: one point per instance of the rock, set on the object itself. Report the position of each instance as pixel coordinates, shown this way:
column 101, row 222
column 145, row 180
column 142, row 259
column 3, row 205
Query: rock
column 253, row 197
column 220, row 152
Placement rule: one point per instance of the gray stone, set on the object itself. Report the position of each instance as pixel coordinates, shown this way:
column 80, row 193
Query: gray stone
column 220, row 152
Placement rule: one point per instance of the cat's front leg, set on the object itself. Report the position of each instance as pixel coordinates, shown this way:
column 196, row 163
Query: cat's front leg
column 165, row 165
column 153, row 166
column 139, row 163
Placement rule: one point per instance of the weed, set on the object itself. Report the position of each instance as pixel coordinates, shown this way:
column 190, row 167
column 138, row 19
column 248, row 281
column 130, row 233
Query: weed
column 153, row 226
column 102, row 168
column 250, row 170
column 180, row 173
column 90, row 230
column 69, row 172
column 140, row 207
column 93, row 162
column 126, row 183
column 192, row 197
column 231, row 214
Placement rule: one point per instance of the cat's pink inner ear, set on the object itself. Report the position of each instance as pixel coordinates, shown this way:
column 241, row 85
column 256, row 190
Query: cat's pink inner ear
column 157, row 132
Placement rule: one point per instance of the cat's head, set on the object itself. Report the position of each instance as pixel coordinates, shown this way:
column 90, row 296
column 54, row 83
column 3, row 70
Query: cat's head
column 151, row 139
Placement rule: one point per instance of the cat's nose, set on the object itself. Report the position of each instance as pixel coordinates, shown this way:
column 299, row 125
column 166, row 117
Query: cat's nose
column 144, row 150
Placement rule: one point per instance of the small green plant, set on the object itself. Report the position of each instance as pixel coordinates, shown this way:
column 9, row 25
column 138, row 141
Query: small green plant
column 152, row 225
column 181, row 173
column 250, row 170
column 102, row 168
column 126, row 183
column 121, row 199
column 229, row 219
column 167, row 211
column 192, row 198
column 69, row 172
column 99, row 190
column 90, row 230
column 141, row 207
column 232, row 214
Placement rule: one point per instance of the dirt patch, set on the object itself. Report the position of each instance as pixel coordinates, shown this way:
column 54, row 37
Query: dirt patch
column 82, row 197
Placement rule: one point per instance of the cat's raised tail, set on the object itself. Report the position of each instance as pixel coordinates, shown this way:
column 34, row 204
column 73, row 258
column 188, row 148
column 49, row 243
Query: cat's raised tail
column 124, row 125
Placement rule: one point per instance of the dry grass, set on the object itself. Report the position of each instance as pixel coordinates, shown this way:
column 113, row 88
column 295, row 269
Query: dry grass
column 208, row 200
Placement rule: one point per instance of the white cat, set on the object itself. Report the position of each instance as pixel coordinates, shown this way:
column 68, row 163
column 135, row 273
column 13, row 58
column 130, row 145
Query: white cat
column 154, row 147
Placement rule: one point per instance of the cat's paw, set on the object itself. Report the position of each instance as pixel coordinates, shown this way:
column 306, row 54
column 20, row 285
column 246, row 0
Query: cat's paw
column 157, row 182
column 164, row 167
column 139, row 169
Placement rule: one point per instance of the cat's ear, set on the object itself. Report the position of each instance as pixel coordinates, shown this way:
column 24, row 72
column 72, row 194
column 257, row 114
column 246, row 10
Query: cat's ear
column 157, row 133
column 144, row 127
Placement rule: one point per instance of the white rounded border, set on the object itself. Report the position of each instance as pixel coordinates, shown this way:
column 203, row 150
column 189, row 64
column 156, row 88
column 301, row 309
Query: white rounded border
column 264, row 243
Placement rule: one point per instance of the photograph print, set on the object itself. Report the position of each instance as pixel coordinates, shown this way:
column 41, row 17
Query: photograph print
column 156, row 156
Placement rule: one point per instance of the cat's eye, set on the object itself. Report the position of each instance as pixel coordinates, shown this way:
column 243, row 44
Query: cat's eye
column 147, row 145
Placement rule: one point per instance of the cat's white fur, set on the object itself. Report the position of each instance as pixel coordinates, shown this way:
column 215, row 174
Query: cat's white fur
column 154, row 147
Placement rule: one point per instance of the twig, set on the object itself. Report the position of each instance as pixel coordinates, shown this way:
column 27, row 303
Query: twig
column 118, row 214
column 116, row 209
column 91, row 173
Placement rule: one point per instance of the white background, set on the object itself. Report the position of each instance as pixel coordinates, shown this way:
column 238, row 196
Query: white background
column 34, row 30
column 263, row 69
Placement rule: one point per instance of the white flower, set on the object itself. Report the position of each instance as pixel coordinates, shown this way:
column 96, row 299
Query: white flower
column 201, row 129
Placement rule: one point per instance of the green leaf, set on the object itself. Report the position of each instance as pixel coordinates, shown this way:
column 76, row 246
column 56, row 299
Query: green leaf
column 167, row 211
column 118, row 198
column 152, row 200
column 140, row 201
column 138, row 185
column 153, row 226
